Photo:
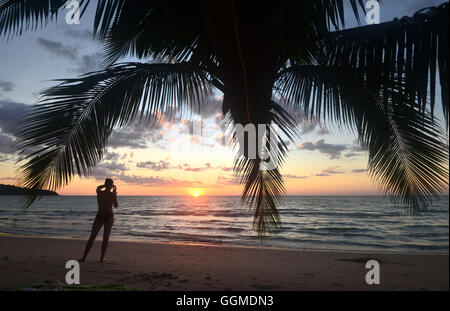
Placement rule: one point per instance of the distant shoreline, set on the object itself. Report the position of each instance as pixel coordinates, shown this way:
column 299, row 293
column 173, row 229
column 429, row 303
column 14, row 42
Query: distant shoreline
column 14, row 190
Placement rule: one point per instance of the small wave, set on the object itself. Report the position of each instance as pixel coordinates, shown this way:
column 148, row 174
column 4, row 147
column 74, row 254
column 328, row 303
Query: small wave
column 344, row 223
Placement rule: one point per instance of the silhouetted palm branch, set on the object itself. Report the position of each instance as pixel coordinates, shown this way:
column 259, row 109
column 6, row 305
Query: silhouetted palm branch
column 148, row 29
column 411, row 47
column 264, row 186
column 73, row 120
column 407, row 153
column 19, row 15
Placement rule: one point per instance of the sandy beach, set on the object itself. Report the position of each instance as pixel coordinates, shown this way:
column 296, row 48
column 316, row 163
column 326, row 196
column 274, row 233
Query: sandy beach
column 164, row 266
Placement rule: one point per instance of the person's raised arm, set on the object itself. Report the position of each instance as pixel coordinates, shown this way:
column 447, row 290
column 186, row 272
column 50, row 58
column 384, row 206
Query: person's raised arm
column 99, row 188
column 116, row 204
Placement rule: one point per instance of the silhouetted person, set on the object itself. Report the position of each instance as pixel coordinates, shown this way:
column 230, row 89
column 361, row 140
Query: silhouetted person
column 104, row 217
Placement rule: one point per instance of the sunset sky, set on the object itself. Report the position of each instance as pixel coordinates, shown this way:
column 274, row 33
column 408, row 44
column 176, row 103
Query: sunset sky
column 167, row 159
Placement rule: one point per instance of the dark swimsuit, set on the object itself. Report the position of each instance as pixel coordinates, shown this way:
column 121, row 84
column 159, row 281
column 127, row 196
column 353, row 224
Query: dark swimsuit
column 105, row 201
column 104, row 217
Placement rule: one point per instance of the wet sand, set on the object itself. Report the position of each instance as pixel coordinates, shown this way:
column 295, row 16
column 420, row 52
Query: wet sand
column 26, row 261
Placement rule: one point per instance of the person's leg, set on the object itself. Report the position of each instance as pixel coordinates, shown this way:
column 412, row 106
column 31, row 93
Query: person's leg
column 96, row 226
column 106, row 232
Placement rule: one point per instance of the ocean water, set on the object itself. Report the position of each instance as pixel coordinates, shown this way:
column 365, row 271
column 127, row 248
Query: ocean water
column 351, row 223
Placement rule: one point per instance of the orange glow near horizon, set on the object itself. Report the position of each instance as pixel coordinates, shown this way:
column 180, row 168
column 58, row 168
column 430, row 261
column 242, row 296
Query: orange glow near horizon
column 196, row 193
column 343, row 184
column 210, row 174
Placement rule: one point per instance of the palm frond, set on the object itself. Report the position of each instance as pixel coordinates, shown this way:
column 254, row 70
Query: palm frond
column 72, row 122
column 148, row 29
column 263, row 183
column 412, row 47
column 321, row 91
column 407, row 154
column 303, row 22
column 17, row 16
column 334, row 10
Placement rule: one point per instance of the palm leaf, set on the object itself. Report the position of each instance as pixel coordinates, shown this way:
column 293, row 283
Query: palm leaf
column 303, row 22
column 71, row 124
column 17, row 16
column 334, row 10
column 407, row 155
column 263, row 185
column 148, row 29
column 413, row 47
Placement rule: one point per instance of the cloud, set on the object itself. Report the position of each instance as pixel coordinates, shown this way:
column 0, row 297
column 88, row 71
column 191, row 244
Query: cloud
column 225, row 168
column 221, row 180
column 12, row 180
column 357, row 147
column 194, row 169
column 114, row 167
column 155, row 166
column 6, row 145
column 166, row 165
column 294, row 176
column 10, row 112
column 3, row 158
column 108, row 170
column 192, row 127
column 207, row 166
column 333, row 150
column 307, row 126
column 88, row 63
column 58, row 49
column 330, row 171
column 130, row 139
column 110, row 166
column 85, row 34
column 359, row 170
column 210, row 108
column 6, row 86
column 188, row 168
column 114, row 156
column 411, row 7
column 323, row 130
column 351, row 155
column 136, row 136
column 157, row 181
column 306, row 123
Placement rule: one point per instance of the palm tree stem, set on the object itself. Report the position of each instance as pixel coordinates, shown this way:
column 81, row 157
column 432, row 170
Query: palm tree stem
column 241, row 58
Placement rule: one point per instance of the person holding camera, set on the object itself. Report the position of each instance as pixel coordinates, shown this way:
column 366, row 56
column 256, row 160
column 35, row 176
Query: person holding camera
column 105, row 216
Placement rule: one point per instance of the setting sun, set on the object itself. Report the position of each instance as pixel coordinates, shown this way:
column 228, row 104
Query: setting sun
column 196, row 193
